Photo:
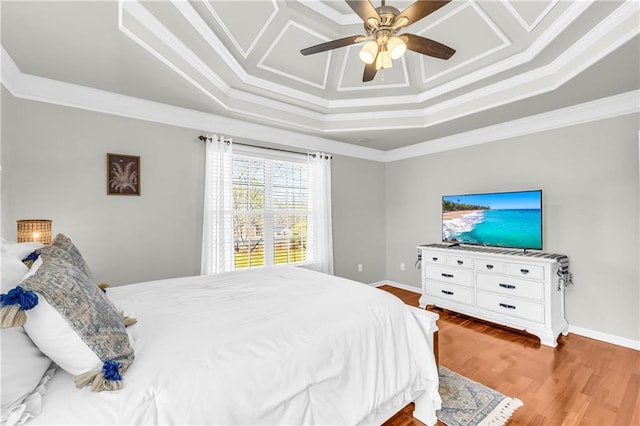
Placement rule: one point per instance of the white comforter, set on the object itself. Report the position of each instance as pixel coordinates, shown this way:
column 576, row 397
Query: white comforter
column 275, row 345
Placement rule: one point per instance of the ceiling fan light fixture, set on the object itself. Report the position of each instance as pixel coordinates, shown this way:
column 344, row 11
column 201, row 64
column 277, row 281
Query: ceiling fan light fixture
column 369, row 52
column 396, row 46
column 384, row 60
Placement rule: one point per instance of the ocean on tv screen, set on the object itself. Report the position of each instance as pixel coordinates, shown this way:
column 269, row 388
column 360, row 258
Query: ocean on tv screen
column 476, row 220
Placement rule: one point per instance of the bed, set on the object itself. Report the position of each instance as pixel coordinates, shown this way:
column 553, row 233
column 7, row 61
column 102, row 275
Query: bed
column 274, row 345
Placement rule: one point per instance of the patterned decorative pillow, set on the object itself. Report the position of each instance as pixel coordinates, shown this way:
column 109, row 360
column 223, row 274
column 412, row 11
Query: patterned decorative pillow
column 71, row 320
column 63, row 248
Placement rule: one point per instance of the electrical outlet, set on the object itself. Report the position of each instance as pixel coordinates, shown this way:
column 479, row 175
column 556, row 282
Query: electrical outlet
column 359, row 267
column 402, row 266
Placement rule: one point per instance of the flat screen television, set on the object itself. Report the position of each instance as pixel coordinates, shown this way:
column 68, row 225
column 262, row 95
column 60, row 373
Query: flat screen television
column 499, row 219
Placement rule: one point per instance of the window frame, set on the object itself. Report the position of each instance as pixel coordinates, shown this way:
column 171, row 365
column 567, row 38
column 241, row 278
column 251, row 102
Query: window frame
column 268, row 213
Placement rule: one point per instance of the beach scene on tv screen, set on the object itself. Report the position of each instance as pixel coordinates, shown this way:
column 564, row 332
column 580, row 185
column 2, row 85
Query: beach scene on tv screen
column 508, row 219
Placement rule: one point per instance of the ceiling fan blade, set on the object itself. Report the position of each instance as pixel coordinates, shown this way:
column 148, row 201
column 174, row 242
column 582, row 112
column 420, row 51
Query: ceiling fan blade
column 369, row 72
column 364, row 9
column 427, row 46
column 334, row 44
column 419, row 10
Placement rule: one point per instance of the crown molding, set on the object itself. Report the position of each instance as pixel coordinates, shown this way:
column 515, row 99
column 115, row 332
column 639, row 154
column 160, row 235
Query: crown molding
column 601, row 109
column 41, row 89
column 34, row 88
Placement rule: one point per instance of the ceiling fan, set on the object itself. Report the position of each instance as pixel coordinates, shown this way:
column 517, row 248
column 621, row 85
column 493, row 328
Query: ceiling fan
column 381, row 25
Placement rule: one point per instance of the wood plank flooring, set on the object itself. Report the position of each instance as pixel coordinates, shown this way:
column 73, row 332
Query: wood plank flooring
column 580, row 382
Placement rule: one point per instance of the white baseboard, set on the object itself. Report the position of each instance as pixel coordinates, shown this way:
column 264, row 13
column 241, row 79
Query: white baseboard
column 585, row 332
column 398, row 285
column 605, row 337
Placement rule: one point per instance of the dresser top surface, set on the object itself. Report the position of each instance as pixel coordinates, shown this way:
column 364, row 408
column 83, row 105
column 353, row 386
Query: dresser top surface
column 506, row 253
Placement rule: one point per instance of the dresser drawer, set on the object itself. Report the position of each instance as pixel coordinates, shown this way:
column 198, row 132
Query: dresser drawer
column 510, row 286
column 527, row 310
column 450, row 292
column 433, row 258
column 490, row 266
column 449, row 275
column 460, row 261
column 533, row 272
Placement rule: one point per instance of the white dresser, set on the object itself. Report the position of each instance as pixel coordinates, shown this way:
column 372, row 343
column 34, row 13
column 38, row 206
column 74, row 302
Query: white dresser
column 507, row 288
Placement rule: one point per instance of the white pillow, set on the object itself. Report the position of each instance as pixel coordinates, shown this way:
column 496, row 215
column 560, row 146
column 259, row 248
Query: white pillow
column 13, row 270
column 22, row 365
column 20, row 250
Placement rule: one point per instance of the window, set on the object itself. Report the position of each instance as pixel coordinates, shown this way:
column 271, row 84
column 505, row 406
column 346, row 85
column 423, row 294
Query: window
column 271, row 210
column 265, row 208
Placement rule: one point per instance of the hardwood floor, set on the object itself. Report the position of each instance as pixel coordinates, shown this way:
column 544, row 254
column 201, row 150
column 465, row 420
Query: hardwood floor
column 580, row 382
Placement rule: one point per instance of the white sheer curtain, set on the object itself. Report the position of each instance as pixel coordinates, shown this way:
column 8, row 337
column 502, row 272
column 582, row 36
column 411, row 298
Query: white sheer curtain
column 217, row 220
column 321, row 228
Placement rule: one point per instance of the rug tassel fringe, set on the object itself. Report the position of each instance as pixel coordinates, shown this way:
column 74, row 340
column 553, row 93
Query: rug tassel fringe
column 502, row 413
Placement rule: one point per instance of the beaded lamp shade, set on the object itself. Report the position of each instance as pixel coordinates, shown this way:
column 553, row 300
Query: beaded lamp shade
column 38, row 230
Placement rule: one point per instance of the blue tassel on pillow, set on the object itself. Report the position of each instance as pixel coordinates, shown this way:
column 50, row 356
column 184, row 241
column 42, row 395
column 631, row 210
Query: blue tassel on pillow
column 17, row 296
column 13, row 304
column 110, row 370
column 32, row 257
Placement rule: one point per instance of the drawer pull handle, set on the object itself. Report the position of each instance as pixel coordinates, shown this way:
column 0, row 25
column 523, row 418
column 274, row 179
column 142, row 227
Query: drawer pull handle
column 489, row 267
column 504, row 305
column 509, row 286
column 460, row 262
column 524, row 271
column 435, row 259
column 447, row 292
column 447, row 275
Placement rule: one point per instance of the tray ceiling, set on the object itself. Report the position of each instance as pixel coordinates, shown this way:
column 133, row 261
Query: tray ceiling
column 241, row 59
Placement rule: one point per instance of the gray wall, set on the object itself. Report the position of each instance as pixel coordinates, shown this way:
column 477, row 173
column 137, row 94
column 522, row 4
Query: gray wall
column 358, row 218
column 54, row 165
column 589, row 177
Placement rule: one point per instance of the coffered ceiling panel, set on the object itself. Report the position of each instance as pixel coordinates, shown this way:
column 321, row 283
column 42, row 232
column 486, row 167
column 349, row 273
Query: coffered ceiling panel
column 530, row 13
column 243, row 29
column 481, row 38
column 311, row 70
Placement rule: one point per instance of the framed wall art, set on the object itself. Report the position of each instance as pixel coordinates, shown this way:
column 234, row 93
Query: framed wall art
column 123, row 174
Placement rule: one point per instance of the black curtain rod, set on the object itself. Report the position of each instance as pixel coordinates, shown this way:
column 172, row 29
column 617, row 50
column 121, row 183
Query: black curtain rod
column 206, row 138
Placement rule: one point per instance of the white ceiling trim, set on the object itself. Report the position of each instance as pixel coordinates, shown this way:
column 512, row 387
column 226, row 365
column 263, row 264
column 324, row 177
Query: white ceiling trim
column 147, row 19
column 41, row 89
column 34, row 88
column 135, row 10
column 538, row 81
column 330, row 13
column 601, row 109
column 536, row 47
column 501, row 93
column 506, row 42
column 209, row 36
column 218, row 82
column 350, row 103
column 291, row 23
column 529, row 27
column 229, row 34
